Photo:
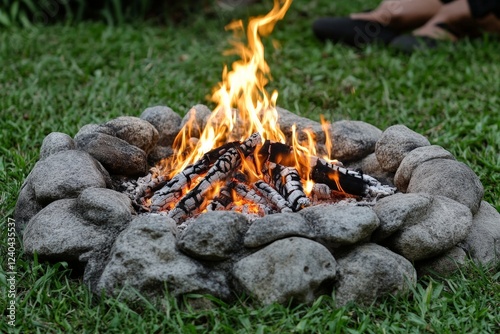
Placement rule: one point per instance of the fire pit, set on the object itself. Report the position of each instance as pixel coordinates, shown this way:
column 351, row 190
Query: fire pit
column 247, row 198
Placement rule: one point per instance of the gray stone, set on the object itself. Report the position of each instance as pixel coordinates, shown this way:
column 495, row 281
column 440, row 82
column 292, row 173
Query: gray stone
column 56, row 142
column 448, row 178
column 214, row 236
column 444, row 264
column 144, row 257
column 91, row 129
column 158, row 153
column 105, row 207
column 414, row 159
column 277, row 226
column 398, row 211
column 395, row 143
column 199, row 114
column 65, row 175
column 26, row 205
column 135, row 131
column 353, row 140
column 287, row 119
column 370, row 166
column 371, row 271
column 295, row 269
column 57, row 232
column 166, row 121
column 115, row 154
column 445, row 224
column 337, row 225
column 483, row 241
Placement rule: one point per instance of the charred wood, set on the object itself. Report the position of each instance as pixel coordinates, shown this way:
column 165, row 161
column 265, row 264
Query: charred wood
column 273, row 196
column 221, row 169
column 288, row 183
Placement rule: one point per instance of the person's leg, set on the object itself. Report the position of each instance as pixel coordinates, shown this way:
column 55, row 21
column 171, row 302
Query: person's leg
column 457, row 15
column 401, row 14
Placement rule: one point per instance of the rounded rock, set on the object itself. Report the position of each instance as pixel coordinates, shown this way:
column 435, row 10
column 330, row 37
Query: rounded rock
column 135, row 131
column 56, row 142
column 166, row 121
column 199, row 115
column 414, row 159
column 65, row 175
column 353, row 140
column 395, row 143
column 449, row 178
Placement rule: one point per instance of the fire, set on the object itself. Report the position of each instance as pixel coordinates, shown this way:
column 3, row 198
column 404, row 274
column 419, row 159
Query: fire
column 244, row 107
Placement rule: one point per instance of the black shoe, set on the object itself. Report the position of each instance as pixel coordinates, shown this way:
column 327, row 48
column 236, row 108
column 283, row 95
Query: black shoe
column 357, row 33
column 409, row 43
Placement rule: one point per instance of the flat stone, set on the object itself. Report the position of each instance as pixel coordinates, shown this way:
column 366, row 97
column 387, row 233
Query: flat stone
column 369, row 272
column 448, row 178
column 398, row 211
column 65, row 175
column 277, row 226
column 414, row 159
column 483, row 241
column 445, row 224
column 199, row 114
column 289, row 269
column 337, row 225
column 214, row 236
column 395, row 143
column 166, row 121
column 353, row 140
column 444, row 264
column 144, row 257
column 57, row 232
column 135, row 131
column 115, row 154
column 56, row 142
column 105, row 207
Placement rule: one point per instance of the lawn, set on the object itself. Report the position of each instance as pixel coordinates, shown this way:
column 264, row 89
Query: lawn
column 62, row 77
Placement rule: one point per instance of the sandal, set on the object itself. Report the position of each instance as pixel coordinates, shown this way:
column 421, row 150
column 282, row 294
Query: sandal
column 409, row 43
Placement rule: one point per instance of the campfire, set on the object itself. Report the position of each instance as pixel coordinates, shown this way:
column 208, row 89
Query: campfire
column 242, row 160
column 248, row 198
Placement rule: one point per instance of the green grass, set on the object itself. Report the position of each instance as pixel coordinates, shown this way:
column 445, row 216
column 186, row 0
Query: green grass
column 62, row 77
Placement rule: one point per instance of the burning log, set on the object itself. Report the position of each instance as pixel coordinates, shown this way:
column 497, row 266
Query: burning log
column 173, row 189
column 222, row 200
column 288, row 183
column 249, row 194
column 335, row 176
column 273, row 196
column 221, row 169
